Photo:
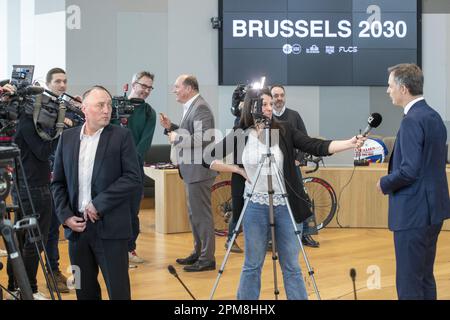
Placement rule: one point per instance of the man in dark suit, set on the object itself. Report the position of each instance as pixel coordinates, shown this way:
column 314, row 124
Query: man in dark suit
column 96, row 170
column 416, row 184
column 189, row 144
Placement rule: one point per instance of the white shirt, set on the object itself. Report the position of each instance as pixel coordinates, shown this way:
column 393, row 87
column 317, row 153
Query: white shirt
column 86, row 159
column 187, row 105
column 279, row 114
column 411, row 103
column 251, row 157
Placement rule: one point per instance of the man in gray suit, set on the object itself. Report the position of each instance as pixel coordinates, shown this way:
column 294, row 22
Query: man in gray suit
column 189, row 142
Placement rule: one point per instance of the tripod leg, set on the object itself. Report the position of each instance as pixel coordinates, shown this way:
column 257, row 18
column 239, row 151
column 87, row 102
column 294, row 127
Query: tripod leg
column 272, row 230
column 236, row 229
column 16, row 261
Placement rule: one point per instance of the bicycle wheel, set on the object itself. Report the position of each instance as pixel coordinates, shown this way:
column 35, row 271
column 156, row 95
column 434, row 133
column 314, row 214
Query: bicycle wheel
column 221, row 206
column 323, row 199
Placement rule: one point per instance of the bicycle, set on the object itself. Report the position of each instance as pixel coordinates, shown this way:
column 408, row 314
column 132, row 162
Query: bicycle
column 320, row 193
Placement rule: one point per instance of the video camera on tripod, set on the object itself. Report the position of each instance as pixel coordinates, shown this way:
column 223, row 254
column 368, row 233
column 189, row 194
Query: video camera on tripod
column 123, row 108
column 239, row 96
column 48, row 115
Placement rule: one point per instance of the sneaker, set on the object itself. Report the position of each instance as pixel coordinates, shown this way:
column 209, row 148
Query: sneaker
column 16, row 294
column 39, row 296
column 234, row 248
column 3, row 253
column 134, row 258
column 61, row 282
column 269, row 246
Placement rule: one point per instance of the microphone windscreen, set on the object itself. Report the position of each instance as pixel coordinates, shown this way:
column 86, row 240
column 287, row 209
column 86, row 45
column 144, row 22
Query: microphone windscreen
column 31, row 90
column 4, row 82
column 172, row 270
column 137, row 101
column 374, row 120
column 352, row 273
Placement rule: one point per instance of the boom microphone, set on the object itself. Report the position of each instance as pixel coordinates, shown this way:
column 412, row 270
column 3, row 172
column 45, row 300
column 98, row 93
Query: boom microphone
column 174, row 273
column 373, row 122
column 4, row 82
column 30, row 90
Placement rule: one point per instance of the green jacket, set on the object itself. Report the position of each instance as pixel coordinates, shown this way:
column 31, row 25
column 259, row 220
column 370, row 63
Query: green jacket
column 142, row 126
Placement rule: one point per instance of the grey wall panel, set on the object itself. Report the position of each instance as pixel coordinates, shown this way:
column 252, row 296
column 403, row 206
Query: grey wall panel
column 435, row 60
column 343, row 110
column 48, row 6
column 306, row 101
column 142, row 45
column 193, row 44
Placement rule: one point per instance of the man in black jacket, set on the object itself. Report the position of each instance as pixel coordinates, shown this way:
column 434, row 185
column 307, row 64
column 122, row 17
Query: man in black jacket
column 95, row 173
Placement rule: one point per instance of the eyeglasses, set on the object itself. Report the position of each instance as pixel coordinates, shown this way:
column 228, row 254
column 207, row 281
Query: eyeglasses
column 146, row 87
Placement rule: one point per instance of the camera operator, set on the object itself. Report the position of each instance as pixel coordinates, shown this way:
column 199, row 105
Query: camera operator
column 237, row 181
column 256, row 218
column 282, row 113
column 142, row 126
column 34, row 154
column 56, row 81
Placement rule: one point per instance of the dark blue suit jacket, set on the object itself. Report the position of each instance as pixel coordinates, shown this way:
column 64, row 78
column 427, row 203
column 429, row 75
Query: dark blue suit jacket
column 416, row 180
column 116, row 175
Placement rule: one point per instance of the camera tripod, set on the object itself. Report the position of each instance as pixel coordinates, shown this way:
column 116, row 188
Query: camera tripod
column 25, row 223
column 272, row 169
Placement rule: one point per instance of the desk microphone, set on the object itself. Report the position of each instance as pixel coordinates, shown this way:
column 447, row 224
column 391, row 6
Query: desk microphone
column 174, row 273
column 353, row 276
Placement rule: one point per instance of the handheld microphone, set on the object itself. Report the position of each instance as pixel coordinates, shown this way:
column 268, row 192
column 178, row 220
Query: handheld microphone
column 373, row 122
column 174, row 273
column 353, row 276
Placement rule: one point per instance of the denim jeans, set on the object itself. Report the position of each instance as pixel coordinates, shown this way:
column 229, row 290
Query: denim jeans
column 256, row 234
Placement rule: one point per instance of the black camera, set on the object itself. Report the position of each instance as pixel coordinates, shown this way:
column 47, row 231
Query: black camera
column 238, row 97
column 123, row 108
column 29, row 100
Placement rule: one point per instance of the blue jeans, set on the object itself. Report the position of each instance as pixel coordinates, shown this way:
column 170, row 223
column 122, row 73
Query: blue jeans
column 256, row 234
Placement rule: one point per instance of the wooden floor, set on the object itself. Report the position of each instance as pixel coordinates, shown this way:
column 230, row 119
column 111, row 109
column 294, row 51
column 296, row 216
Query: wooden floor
column 369, row 251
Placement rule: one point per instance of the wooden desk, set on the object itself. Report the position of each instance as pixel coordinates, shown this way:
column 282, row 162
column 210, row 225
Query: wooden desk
column 170, row 201
column 361, row 205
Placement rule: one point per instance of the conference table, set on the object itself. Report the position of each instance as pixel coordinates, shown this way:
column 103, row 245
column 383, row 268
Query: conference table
column 360, row 203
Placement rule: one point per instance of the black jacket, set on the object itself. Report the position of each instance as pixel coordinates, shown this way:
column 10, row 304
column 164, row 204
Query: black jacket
column 116, row 175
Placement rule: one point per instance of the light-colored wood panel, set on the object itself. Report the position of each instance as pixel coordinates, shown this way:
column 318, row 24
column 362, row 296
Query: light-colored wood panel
column 360, row 203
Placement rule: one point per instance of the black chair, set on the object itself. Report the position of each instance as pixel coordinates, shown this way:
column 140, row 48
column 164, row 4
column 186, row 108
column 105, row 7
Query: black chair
column 158, row 153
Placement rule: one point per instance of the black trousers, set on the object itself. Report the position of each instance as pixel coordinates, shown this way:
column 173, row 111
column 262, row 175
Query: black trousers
column 88, row 253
